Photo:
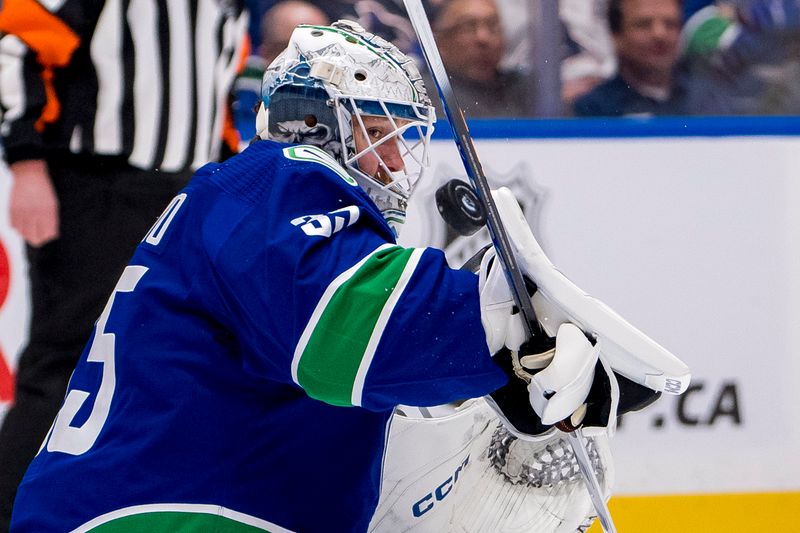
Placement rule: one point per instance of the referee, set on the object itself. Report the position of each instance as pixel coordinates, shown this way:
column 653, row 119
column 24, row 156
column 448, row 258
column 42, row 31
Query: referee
column 107, row 107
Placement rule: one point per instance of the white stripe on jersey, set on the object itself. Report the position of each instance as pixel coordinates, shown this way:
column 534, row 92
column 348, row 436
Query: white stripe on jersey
column 208, row 16
column 380, row 325
column 181, row 74
column 106, row 53
column 76, row 141
column 225, row 72
column 52, row 5
column 193, row 508
column 148, row 86
column 330, row 290
column 12, row 92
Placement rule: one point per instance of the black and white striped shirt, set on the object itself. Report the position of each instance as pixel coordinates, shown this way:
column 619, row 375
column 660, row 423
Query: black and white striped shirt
column 147, row 80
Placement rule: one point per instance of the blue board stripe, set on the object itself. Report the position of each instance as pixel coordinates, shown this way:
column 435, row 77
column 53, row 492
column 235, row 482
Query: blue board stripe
column 583, row 128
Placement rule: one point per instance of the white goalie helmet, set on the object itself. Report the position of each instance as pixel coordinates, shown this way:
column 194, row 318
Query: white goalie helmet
column 360, row 99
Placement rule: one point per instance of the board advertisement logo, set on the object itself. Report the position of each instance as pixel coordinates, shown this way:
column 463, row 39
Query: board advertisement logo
column 6, row 377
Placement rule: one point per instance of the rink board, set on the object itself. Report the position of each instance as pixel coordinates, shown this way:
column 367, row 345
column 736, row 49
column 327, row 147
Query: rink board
column 707, row 513
column 695, row 240
column 14, row 306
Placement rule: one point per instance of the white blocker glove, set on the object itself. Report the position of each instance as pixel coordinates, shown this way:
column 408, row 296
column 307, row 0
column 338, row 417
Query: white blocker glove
column 558, row 391
column 565, row 383
column 555, row 380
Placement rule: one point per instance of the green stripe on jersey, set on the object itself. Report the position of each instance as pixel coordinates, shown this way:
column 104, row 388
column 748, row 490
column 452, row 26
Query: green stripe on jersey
column 177, row 518
column 174, row 522
column 340, row 340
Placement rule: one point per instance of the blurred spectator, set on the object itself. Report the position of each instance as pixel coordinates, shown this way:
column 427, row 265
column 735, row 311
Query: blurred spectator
column 471, row 42
column 277, row 25
column 279, row 22
column 590, row 58
column 106, row 111
column 516, row 17
column 646, row 35
column 582, row 39
column 256, row 9
column 743, row 56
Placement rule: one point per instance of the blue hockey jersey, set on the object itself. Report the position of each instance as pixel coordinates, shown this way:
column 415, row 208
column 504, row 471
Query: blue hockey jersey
column 243, row 373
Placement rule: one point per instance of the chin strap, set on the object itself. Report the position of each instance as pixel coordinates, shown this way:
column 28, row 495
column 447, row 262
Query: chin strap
column 261, row 123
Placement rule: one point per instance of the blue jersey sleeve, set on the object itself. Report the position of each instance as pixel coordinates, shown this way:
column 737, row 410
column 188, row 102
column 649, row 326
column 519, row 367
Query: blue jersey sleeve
column 324, row 298
column 270, row 282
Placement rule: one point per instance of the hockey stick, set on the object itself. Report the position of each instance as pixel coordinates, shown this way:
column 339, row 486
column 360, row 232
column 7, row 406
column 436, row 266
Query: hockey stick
column 419, row 20
column 466, row 148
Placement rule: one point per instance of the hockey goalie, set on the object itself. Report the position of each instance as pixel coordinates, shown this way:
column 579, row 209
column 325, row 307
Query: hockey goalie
column 246, row 372
column 532, row 455
column 503, row 463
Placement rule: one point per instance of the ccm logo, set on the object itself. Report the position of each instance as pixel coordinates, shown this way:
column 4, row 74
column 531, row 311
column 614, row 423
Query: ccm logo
column 427, row 502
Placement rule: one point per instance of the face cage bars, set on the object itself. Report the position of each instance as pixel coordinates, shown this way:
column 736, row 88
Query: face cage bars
column 399, row 185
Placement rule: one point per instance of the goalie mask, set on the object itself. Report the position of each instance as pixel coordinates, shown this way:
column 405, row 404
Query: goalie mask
column 359, row 98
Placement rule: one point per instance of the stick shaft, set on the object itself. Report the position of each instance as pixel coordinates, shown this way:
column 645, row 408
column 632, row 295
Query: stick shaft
column 469, row 156
column 578, row 442
column 472, row 164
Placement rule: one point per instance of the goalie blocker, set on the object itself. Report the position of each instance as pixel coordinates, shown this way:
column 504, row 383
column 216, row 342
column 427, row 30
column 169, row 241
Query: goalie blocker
column 593, row 366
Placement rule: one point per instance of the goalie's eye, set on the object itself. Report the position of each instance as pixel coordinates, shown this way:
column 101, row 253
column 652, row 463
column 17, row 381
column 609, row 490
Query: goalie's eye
column 375, row 133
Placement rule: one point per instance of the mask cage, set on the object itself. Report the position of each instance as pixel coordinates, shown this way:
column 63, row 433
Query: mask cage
column 412, row 128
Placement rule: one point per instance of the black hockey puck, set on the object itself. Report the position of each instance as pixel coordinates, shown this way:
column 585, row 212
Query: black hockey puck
column 460, row 207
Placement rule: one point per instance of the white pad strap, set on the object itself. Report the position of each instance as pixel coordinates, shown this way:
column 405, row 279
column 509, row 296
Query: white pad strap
column 262, row 122
column 611, row 429
column 560, row 389
column 503, row 328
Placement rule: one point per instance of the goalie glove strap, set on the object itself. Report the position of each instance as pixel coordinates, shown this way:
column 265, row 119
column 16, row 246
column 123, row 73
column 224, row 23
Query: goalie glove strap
column 501, row 321
column 611, row 395
column 562, row 387
column 511, row 401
